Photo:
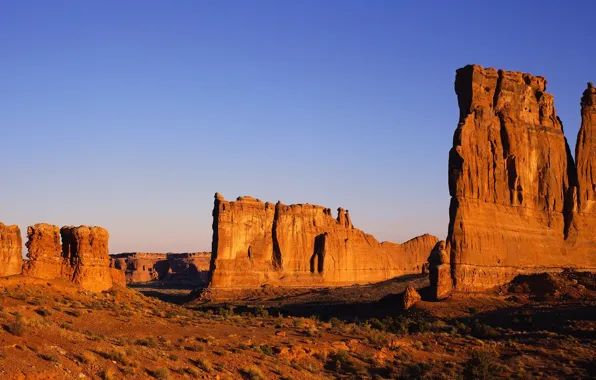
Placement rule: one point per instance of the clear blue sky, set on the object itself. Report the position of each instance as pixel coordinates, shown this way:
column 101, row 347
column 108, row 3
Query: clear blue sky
column 132, row 114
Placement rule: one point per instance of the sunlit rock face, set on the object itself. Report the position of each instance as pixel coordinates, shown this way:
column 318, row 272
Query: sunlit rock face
column 11, row 250
column 513, row 182
column 78, row 254
column 257, row 243
column 44, row 252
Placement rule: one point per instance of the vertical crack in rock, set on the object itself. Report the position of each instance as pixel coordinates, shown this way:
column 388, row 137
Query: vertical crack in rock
column 276, row 255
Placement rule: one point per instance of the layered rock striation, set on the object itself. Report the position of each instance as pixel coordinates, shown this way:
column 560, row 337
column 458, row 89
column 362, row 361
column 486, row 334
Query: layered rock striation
column 257, row 243
column 11, row 250
column 78, row 254
column 518, row 202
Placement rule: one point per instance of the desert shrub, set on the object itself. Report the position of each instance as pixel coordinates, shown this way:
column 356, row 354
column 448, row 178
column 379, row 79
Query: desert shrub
column 377, row 338
column 312, row 331
column 415, row 370
column 147, row 342
column 481, row 330
column 481, row 365
column 17, row 327
column 299, row 323
column 85, row 358
column 108, row 374
column 128, row 371
column 336, row 322
column 160, row 373
column 119, row 357
column 73, row 313
column 440, row 325
column 226, row 312
column 253, row 373
column 48, row 357
column 204, row 364
column 195, row 348
column 266, row 349
column 376, row 324
column 173, row 357
column 279, row 321
column 192, row 372
column 260, row 311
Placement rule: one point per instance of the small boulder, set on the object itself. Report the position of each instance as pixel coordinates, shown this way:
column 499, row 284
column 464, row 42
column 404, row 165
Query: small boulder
column 411, row 297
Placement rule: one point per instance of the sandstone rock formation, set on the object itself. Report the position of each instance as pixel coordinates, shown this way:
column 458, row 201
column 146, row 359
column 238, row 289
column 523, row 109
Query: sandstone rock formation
column 11, row 247
column 439, row 272
column 86, row 256
column 44, row 252
column 518, row 203
column 256, row 243
column 140, row 267
column 410, row 297
column 78, row 254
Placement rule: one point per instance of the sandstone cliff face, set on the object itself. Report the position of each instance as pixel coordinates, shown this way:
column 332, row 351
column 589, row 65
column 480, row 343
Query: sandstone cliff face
column 11, row 256
column 44, row 252
column 584, row 219
column 86, row 256
column 78, row 254
column 257, row 243
column 512, row 181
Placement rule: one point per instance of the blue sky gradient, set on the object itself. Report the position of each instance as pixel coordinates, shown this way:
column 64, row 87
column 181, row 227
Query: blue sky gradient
column 131, row 115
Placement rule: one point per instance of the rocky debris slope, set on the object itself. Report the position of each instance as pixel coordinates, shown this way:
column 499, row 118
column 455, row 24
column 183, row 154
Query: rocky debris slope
column 11, row 247
column 518, row 203
column 257, row 243
column 140, row 267
column 78, row 254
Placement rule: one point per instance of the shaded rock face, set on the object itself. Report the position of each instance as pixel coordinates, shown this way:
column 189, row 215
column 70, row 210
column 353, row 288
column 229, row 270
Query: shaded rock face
column 11, row 250
column 257, row 243
column 140, row 267
column 441, row 284
column 513, row 182
column 78, row 254
column 584, row 218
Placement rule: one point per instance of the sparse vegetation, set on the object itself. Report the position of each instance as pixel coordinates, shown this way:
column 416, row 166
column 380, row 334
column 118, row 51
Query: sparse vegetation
column 253, row 373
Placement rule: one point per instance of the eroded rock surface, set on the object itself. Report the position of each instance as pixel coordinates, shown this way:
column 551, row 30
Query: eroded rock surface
column 11, row 250
column 441, row 284
column 410, row 297
column 140, row 267
column 78, row 254
column 44, row 252
column 513, row 182
column 257, row 243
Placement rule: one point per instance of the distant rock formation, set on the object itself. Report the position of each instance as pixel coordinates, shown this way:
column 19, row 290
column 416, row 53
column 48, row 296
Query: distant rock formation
column 518, row 202
column 11, row 250
column 140, row 267
column 78, row 254
column 256, row 243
